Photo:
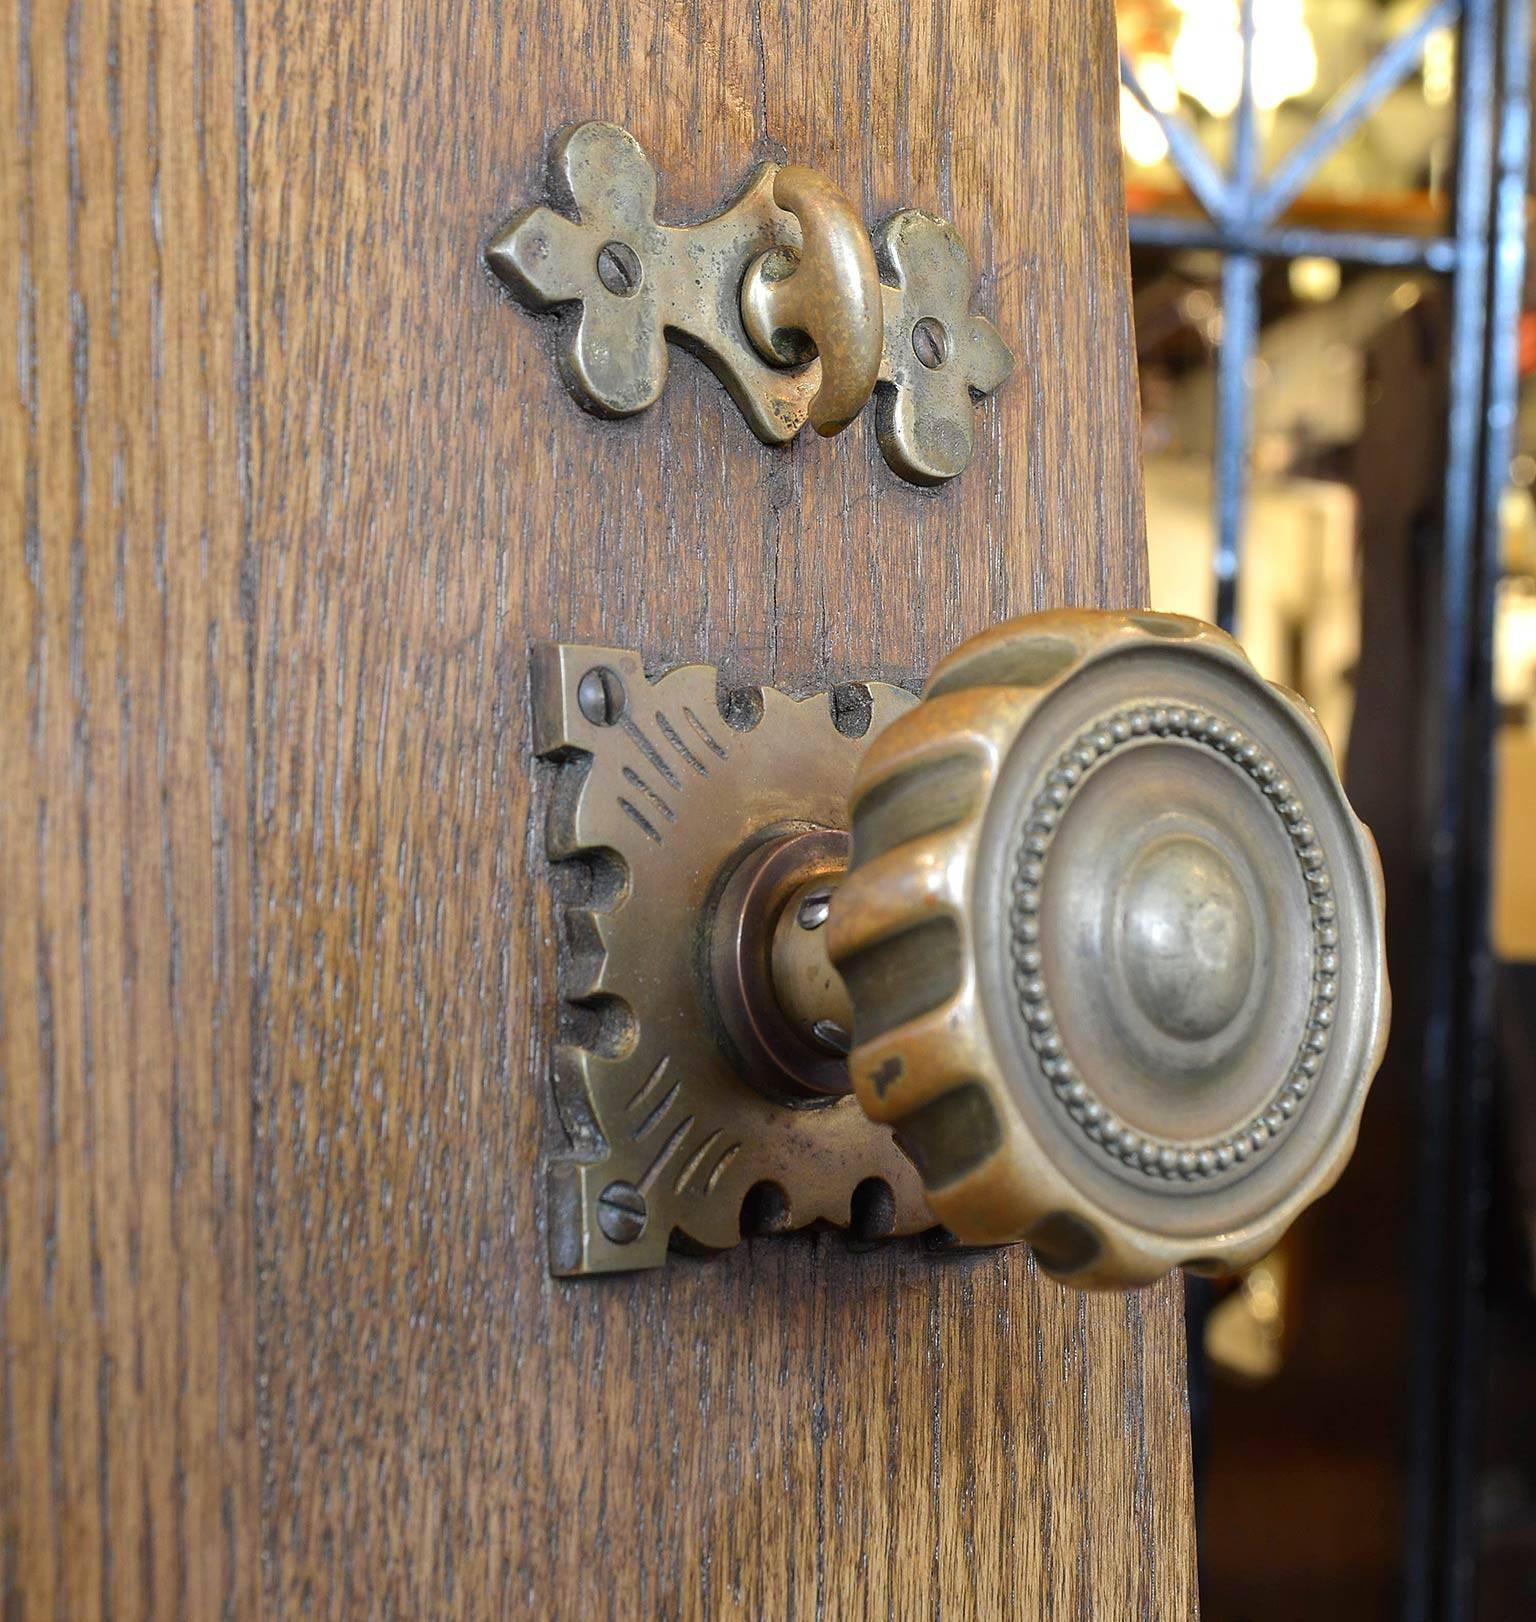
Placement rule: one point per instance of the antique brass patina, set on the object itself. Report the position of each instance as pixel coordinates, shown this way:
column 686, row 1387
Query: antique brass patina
column 938, row 358
column 780, row 295
column 673, row 825
column 1111, row 934
column 1114, row 942
column 824, row 301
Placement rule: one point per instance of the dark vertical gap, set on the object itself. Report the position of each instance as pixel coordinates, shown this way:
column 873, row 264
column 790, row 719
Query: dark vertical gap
column 1439, row 1563
column 1507, row 116
column 1509, row 112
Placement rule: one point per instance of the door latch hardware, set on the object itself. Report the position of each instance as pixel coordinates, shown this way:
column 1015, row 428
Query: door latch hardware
column 1103, row 951
column 824, row 302
column 783, row 294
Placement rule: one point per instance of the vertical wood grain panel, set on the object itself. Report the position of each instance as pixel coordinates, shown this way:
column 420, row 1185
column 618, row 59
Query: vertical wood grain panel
column 286, row 489
column 128, row 1450
column 791, row 1430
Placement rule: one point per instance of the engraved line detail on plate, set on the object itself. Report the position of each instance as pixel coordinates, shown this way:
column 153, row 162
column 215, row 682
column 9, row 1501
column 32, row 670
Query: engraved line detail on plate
column 651, row 1082
column 704, row 734
column 719, row 1168
column 674, row 737
column 697, row 1159
column 661, row 1109
column 633, row 777
column 638, row 817
column 664, row 1154
column 651, row 752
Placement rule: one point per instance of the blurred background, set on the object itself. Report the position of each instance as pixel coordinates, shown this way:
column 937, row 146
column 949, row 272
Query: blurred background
column 1329, row 202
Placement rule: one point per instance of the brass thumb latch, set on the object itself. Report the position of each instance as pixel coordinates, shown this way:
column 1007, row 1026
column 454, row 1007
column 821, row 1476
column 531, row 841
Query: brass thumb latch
column 801, row 312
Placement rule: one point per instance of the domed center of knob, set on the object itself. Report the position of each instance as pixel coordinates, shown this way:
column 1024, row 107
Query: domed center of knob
column 1188, row 942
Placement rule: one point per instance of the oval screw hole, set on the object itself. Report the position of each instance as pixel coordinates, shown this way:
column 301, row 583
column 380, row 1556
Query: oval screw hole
column 873, row 1210
column 853, row 708
column 742, row 708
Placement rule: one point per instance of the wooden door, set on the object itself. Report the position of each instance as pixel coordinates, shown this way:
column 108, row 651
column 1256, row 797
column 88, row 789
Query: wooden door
column 289, row 488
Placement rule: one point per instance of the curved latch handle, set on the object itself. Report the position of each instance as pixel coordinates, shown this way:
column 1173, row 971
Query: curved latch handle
column 823, row 301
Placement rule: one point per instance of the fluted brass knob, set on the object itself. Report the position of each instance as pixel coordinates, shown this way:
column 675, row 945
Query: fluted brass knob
column 1113, row 938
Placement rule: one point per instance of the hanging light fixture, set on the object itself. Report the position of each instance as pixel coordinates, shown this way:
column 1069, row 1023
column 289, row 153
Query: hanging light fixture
column 1207, row 56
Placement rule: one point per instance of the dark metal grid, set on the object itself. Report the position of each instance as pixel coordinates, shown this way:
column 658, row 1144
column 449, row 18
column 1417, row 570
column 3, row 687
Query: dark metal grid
column 1483, row 254
column 1454, row 1166
column 1243, row 210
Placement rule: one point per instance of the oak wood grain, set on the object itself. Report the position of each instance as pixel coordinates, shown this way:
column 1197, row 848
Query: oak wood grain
column 790, row 1430
column 129, row 1469
column 289, row 489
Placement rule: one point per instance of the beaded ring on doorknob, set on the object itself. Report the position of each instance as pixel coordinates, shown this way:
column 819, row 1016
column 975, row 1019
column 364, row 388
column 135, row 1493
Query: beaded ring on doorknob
column 1114, row 943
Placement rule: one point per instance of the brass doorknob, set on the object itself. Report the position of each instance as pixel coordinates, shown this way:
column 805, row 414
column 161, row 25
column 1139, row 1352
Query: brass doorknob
column 1113, row 939
column 1104, row 949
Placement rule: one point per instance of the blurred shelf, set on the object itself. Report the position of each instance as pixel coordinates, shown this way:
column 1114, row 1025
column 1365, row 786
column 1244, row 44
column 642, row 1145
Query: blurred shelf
column 1401, row 213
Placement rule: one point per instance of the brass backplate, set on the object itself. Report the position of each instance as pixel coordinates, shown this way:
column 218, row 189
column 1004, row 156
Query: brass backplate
column 662, row 787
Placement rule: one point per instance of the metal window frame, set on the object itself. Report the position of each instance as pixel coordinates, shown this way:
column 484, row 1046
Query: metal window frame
column 1482, row 255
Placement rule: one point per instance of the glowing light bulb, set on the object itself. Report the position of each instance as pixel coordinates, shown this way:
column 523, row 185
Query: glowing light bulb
column 1157, row 79
column 1440, row 67
column 1284, row 54
column 1207, row 56
column 1314, row 280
